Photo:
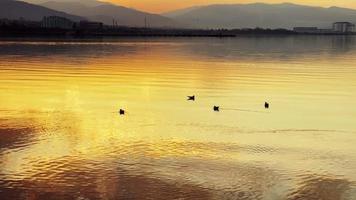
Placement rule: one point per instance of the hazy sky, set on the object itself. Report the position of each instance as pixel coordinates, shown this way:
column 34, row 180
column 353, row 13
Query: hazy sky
column 157, row 6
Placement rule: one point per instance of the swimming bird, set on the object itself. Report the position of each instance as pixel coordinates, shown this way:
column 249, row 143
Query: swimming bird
column 216, row 108
column 122, row 112
column 191, row 98
column 266, row 105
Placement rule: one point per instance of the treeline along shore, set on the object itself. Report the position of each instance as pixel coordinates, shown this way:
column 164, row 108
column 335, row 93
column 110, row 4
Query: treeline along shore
column 33, row 29
column 139, row 32
column 17, row 29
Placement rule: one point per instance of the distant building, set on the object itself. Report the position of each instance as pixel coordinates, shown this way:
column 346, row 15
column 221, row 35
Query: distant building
column 326, row 31
column 57, row 22
column 4, row 21
column 306, row 29
column 20, row 23
column 88, row 25
column 344, row 27
column 337, row 28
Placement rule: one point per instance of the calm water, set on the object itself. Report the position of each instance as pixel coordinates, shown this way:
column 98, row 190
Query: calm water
column 62, row 138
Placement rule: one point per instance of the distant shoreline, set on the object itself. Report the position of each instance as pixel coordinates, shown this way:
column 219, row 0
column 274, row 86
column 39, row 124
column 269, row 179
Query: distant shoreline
column 6, row 32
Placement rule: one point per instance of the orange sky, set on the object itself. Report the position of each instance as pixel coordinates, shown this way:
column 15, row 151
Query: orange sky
column 158, row 6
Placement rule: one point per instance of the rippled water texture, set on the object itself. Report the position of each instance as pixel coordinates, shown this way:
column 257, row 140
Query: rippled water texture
column 61, row 136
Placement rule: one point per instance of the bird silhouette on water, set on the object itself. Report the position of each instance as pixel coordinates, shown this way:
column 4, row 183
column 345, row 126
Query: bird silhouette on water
column 122, row 112
column 216, row 108
column 191, row 98
column 266, row 105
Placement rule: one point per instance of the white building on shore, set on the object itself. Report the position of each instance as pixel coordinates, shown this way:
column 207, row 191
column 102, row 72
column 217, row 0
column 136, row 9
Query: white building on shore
column 337, row 28
column 344, row 27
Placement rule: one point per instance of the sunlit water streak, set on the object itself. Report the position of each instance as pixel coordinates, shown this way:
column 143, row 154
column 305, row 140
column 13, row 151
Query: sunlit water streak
column 62, row 138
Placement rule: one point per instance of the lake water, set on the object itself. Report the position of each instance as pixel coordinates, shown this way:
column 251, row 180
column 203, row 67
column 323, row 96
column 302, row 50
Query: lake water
column 61, row 136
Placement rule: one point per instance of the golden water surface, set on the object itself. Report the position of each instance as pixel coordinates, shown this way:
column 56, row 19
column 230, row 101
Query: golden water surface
column 61, row 136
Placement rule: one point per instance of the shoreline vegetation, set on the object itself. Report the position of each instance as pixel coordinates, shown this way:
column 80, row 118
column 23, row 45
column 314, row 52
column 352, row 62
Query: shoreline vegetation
column 20, row 30
column 140, row 32
column 147, row 32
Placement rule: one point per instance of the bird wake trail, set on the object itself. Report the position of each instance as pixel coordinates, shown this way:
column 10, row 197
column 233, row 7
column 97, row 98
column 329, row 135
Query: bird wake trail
column 245, row 110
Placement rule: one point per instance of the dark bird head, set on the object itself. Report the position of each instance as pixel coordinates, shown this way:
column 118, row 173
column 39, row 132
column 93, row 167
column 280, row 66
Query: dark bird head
column 266, row 105
column 216, row 108
column 122, row 112
column 191, row 98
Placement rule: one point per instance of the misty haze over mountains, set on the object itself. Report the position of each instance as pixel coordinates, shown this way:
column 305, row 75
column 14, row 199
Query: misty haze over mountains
column 11, row 9
column 262, row 15
column 84, row 2
column 106, row 12
column 285, row 15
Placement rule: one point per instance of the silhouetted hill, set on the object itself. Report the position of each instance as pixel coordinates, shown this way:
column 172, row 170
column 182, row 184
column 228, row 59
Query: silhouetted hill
column 106, row 12
column 12, row 9
column 263, row 15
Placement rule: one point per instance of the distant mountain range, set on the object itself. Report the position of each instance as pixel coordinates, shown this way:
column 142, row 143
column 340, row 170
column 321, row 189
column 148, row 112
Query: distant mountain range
column 11, row 9
column 109, row 13
column 285, row 15
column 83, row 9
